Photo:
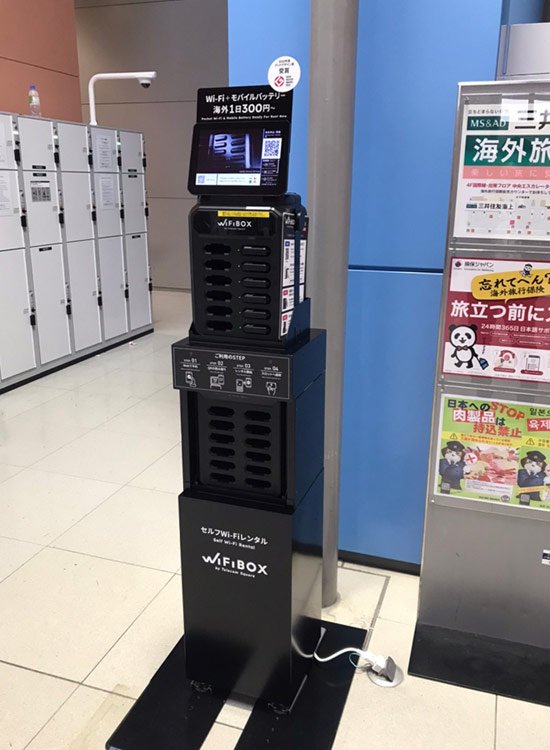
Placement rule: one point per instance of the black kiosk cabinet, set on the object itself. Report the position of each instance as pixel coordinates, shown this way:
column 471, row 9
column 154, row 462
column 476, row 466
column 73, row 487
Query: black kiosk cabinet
column 251, row 377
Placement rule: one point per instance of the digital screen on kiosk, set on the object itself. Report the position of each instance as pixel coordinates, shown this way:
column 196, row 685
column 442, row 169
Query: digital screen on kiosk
column 238, row 157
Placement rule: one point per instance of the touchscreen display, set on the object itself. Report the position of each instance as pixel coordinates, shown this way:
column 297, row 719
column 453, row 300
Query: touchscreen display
column 235, row 157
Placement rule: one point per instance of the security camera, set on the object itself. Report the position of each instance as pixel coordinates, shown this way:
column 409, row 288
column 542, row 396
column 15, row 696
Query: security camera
column 145, row 78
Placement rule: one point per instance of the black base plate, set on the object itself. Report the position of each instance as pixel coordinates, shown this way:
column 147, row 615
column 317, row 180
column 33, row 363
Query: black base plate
column 515, row 670
column 172, row 715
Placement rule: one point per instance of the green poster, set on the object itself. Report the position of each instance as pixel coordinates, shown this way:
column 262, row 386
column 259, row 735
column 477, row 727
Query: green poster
column 495, row 451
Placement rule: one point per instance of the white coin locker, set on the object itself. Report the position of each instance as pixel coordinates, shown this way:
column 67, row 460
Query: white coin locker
column 133, row 196
column 111, row 272
column 11, row 230
column 85, row 316
column 137, row 269
column 107, row 203
column 104, row 149
column 37, row 143
column 131, row 152
column 42, row 203
column 50, row 299
column 73, row 147
column 77, row 206
column 8, row 144
column 16, row 334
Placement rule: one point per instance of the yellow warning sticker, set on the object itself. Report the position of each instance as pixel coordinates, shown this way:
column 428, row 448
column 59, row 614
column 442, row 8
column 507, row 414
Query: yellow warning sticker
column 245, row 214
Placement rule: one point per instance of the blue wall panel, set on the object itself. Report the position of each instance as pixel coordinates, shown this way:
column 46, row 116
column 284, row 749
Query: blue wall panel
column 259, row 32
column 388, row 385
column 410, row 57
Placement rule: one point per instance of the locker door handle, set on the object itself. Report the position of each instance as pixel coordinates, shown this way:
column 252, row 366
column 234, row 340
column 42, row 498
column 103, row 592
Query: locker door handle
column 68, row 308
column 94, row 215
column 17, row 155
column 150, row 285
column 144, row 163
column 24, row 221
column 61, row 218
column 146, row 212
column 127, row 293
column 56, row 157
column 32, row 317
column 99, row 300
column 119, row 161
column 90, row 160
column 122, row 213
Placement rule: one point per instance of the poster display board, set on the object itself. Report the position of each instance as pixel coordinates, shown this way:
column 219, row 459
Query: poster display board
column 497, row 319
column 493, row 450
column 503, row 180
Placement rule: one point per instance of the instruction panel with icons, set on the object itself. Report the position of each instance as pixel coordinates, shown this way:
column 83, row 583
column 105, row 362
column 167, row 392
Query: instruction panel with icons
column 232, row 372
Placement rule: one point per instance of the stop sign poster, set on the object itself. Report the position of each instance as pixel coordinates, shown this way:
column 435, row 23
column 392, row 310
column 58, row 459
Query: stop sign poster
column 494, row 451
column 497, row 319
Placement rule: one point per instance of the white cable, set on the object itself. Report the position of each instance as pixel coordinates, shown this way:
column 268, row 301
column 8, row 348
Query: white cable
column 376, row 662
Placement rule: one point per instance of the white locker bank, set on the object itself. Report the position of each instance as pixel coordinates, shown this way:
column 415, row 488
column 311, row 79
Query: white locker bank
column 74, row 267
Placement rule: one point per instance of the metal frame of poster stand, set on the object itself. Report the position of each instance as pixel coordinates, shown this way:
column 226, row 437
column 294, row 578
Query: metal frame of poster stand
column 484, row 604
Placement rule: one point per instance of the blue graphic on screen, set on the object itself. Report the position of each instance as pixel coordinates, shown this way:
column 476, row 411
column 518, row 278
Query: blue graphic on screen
column 236, row 156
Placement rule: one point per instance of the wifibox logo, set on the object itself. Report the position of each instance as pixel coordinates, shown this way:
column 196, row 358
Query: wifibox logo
column 237, row 565
column 235, row 224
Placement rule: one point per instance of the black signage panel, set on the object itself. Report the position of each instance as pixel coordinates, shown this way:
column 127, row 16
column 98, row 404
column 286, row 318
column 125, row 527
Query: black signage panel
column 234, row 103
column 198, row 369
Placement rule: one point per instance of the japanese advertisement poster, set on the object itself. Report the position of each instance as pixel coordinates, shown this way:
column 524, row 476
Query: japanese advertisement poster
column 497, row 319
column 503, row 188
column 494, row 450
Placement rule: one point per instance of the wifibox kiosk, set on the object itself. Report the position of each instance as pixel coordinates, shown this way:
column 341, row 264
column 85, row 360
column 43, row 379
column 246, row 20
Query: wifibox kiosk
column 251, row 378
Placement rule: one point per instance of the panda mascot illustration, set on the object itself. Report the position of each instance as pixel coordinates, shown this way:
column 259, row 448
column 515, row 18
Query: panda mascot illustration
column 463, row 339
column 532, row 474
column 451, row 466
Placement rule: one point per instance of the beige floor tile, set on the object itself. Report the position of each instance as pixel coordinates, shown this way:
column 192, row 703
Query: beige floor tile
column 13, row 554
column 221, row 737
column 84, row 722
column 168, row 393
column 159, row 361
column 417, row 715
column 38, row 506
column 7, row 471
column 22, row 399
column 358, row 596
column 27, row 701
column 128, row 382
column 107, row 456
column 235, row 712
column 164, row 475
column 79, row 373
column 522, row 726
column 135, row 525
column 130, row 664
column 61, row 612
column 155, row 418
column 401, row 598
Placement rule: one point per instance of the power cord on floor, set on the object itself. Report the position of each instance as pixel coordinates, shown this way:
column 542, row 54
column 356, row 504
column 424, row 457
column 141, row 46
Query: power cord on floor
column 382, row 670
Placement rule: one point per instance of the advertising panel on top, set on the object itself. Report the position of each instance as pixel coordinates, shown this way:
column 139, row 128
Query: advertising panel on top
column 503, row 181
column 493, row 450
column 497, row 319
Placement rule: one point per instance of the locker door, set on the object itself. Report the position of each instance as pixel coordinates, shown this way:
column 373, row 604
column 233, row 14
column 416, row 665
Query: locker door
column 83, row 282
column 11, row 231
column 42, row 207
column 77, row 206
column 111, row 270
column 7, row 143
column 16, row 337
column 73, row 147
column 133, row 195
column 137, row 268
column 131, row 151
column 50, row 298
column 107, row 202
column 37, row 143
column 104, row 149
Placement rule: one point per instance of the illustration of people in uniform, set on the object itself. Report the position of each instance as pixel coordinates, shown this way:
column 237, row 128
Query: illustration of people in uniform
column 532, row 474
column 451, row 466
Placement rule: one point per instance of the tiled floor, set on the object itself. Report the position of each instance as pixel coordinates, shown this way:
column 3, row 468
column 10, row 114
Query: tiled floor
column 90, row 595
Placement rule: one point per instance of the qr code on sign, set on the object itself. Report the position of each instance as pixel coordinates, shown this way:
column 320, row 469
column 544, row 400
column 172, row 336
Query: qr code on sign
column 271, row 148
